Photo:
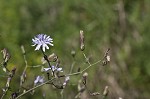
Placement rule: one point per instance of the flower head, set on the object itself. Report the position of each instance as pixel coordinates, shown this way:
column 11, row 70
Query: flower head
column 39, row 79
column 54, row 68
column 42, row 41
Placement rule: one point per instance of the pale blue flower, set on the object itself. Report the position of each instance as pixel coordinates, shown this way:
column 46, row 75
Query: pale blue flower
column 42, row 41
column 39, row 79
column 54, row 68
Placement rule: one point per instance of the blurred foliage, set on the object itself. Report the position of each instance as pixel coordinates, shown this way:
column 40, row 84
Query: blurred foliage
column 121, row 25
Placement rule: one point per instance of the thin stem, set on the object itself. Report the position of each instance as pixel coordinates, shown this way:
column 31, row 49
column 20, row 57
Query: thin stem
column 86, row 58
column 34, row 88
column 45, row 57
column 76, row 73
column 25, row 60
column 35, row 66
column 91, row 65
column 26, row 65
column 72, row 65
column 61, row 93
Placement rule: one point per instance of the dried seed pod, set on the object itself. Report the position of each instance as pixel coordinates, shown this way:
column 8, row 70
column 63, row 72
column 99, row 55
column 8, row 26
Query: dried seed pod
column 106, row 91
column 85, row 78
column 82, row 46
column 8, row 82
column 104, row 62
column 108, row 58
column 6, row 55
column 4, row 51
column 81, row 88
column 53, row 57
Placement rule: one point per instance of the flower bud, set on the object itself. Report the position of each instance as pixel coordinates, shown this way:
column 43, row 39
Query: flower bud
column 82, row 46
column 73, row 53
column 85, row 74
column 23, row 50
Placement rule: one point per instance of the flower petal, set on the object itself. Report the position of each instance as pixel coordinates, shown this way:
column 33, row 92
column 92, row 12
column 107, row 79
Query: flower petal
column 38, row 47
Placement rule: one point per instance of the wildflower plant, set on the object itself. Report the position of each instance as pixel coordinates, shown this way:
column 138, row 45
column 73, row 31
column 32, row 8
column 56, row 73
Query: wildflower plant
column 55, row 74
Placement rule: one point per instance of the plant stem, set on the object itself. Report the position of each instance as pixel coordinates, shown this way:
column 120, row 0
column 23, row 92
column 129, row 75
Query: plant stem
column 25, row 60
column 34, row 88
column 76, row 73
column 45, row 57
column 35, row 66
column 86, row 58
column 72, row 65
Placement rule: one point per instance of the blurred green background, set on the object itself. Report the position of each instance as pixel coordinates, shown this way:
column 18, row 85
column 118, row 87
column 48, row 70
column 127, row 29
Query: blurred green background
column 121, row 25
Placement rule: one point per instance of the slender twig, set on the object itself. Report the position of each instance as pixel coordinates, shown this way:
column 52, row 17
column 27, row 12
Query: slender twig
column 25, row 60
column 86, row 58
column 34, row 88
column 26, row 66
column 61, row 93
column 91, row 65
column 76, row 73
column 72, row 65
column 35, row 66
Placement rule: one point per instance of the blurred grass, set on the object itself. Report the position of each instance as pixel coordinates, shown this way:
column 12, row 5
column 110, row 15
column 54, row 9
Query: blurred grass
column 104, row 26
